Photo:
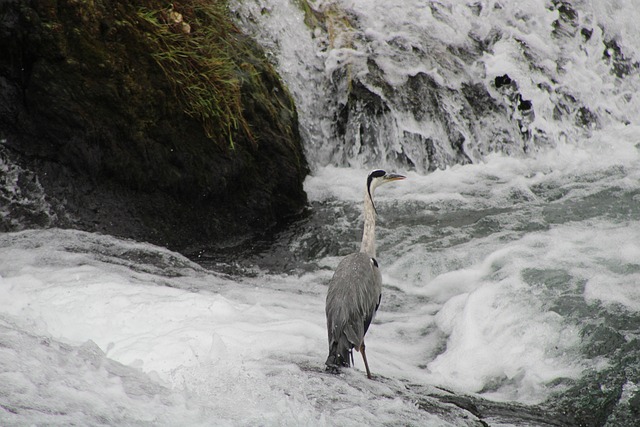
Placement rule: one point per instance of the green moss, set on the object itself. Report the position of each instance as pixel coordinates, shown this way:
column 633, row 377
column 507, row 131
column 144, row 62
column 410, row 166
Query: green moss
column 193, row 45
column 312, row 18
column 134, row 115
column 335, row 21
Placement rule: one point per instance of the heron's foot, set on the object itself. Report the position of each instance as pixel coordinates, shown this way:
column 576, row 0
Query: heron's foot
column 332, row 369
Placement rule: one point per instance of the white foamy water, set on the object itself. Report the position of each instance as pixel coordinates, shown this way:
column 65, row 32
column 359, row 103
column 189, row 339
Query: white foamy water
column 475, row 245
column 90, row 335
column 100, row 330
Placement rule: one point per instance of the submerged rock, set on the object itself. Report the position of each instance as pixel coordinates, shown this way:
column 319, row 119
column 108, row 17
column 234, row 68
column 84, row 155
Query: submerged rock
column 116, row 137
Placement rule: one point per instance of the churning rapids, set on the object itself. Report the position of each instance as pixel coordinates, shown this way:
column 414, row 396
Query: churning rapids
column 510, row 256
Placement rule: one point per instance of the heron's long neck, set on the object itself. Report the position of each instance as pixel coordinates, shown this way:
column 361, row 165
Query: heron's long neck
column 369, row 233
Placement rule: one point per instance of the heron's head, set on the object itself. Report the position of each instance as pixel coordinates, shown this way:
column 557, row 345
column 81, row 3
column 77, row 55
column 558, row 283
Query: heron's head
column 379, row 177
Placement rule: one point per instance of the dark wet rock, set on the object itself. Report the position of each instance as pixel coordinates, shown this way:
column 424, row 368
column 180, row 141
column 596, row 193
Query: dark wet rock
column 520, row 110
column 369, row 115
column 524, row 104
column 490, row 413
column 604, row 395
column 87, row 111
column 586, row 34
column 567, row 23
column 503, row 80
column 568, row 105
column 621, row 66
column 586, row 118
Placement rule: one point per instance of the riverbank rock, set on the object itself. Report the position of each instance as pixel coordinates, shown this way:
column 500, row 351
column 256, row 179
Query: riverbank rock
column 116, row 112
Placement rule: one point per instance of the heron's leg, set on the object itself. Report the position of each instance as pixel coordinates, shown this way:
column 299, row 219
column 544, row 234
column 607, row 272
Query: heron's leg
column 364, row 358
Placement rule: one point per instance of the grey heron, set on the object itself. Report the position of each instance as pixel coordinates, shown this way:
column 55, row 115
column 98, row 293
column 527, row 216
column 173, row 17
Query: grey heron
column 355, row 289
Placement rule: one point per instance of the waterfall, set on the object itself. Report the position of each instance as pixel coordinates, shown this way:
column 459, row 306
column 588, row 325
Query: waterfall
column 424, row 85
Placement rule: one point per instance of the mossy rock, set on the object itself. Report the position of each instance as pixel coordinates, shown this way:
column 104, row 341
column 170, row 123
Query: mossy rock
column 114, row 140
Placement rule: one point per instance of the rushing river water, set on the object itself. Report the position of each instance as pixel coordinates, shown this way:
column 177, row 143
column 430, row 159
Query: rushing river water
column 510, row 256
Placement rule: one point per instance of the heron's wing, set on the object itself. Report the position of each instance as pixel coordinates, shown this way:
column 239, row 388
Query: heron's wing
column 373, row 314
column 353, row 297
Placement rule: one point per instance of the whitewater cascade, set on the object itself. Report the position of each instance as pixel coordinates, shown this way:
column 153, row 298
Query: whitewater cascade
column 427, row 84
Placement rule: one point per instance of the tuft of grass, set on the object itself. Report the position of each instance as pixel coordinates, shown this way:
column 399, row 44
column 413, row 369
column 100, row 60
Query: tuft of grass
column 192, row 43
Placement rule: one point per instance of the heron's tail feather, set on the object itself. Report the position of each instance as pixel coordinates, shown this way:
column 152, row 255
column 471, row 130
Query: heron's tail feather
column 339, row 354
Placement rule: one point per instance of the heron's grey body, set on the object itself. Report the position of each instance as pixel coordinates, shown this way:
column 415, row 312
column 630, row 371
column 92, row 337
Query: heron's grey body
column 353, row 298
column 356, row 288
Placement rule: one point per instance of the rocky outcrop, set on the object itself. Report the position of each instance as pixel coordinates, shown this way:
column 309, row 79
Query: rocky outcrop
column 117, row 142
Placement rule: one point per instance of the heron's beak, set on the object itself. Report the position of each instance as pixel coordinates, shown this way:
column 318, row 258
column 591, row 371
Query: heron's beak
column 393, row 177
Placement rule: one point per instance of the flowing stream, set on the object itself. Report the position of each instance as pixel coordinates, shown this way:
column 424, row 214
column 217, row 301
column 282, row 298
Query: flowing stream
column 510, row 256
